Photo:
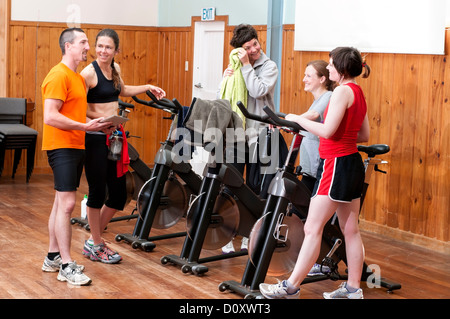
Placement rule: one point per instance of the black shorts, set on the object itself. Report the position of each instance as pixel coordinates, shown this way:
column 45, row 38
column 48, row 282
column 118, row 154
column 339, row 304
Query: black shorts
column 101, row 174
column 67, row 166
column 340, row 178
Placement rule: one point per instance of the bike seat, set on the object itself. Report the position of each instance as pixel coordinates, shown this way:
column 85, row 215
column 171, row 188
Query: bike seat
column 375, row 149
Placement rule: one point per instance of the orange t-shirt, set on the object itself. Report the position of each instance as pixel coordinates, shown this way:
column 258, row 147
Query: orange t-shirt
column 61, row 83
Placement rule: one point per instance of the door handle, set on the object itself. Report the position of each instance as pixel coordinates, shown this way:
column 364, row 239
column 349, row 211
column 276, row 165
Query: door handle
column 198, row 86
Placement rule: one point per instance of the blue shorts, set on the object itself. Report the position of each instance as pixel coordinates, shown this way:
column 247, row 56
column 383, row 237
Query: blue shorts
column 67, row 165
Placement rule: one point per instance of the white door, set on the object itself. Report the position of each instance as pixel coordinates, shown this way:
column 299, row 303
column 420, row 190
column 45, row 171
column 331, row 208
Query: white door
column 208, row 59
column 207, row 73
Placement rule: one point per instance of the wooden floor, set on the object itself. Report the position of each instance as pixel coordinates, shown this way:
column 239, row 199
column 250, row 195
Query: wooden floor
column 24, row 210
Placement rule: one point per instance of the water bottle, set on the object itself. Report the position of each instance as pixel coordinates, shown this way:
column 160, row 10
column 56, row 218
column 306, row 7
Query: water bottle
column 83, row 207
column 115, row 146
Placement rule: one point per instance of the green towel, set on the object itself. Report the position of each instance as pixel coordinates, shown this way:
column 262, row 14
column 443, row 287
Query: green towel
column 233, row 87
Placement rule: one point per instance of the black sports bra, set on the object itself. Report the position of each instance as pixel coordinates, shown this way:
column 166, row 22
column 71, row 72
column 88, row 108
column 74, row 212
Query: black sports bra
column 104, row 91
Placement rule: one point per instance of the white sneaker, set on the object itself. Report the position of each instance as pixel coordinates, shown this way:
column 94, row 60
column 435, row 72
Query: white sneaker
column 343, row 293
column 228, row 248
column 277, row 291
column 73, row 275
column 244, row 244
column 55, row 264
column 318, row 270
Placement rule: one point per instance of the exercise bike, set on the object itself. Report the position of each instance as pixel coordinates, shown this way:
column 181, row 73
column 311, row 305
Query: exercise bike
column 224, row 208
column 163, row 199
column 135, row 179
column 272, row 236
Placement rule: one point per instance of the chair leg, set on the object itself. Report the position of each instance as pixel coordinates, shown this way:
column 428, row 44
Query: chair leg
column 17, row 156
column 30, row 159
column 2, row 157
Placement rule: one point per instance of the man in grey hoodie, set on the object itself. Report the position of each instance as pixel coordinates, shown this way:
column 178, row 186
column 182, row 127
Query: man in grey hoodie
column 259, row 72
column 260, row 76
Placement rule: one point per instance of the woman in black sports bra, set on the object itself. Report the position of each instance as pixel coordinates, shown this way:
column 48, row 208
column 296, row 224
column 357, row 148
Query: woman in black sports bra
column 105, row 85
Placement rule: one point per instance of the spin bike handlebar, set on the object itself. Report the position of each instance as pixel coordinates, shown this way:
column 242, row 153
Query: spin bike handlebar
column 162, row 104
column 123, row 105
column 256, row 117
column 282, row 122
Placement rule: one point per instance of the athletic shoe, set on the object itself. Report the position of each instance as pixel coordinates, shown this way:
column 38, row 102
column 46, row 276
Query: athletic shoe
column 55, row 264
column 318, row 270
column 228, row 248
column 343, row 293
column 73, row 275
column 105, row 255
column 88, row 244
column 87, row 248
column 277, row 291
column 244, row 244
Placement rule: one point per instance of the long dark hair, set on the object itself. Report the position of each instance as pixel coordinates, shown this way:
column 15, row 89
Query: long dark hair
column 110, row 33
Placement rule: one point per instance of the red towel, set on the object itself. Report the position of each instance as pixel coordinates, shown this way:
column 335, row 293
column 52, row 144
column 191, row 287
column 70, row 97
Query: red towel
column 122, row 164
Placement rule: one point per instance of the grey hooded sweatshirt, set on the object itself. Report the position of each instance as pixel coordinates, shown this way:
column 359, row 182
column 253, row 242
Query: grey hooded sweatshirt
column 260, row 80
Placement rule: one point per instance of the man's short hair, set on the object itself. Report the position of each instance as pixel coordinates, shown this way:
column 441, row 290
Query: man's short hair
column 68, row 35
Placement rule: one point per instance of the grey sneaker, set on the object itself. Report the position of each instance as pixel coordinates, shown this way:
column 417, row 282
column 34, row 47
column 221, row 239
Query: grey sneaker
column 318, row 270
column 277, row 291
column 343, row 293
column 73, row 275
column 102, row 253
column 55, row 264
column 87, row 248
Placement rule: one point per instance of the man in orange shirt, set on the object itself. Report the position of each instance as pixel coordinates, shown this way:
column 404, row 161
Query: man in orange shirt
column 64, row 100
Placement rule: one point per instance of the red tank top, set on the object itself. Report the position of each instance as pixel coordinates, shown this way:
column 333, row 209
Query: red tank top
column 343, row 142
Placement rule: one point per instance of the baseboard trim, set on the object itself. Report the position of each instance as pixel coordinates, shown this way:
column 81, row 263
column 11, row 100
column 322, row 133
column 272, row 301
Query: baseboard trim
column 405, row 236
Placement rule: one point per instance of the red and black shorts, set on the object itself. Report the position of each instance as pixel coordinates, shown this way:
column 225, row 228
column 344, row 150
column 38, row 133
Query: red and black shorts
column 340, row 178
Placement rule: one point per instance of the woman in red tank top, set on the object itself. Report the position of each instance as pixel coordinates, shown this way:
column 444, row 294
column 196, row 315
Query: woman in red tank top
column 339, row 179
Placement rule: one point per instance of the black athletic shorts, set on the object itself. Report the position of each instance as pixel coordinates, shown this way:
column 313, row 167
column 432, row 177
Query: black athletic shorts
column 67, row 165
column 340, row 178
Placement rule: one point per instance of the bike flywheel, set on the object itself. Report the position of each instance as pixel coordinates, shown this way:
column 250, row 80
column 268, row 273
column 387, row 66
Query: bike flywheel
column 172, row 206
column 223, row 223
column 288, row 244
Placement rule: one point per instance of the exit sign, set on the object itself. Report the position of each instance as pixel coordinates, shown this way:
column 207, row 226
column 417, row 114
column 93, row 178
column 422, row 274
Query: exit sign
column 208, row 14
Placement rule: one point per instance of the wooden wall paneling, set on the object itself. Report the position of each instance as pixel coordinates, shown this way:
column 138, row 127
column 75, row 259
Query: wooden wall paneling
column 178, row 63
column 17, row 52
column 144, row 127
column 15, row 82
column 433, row 138
column 136, row 68
column 151, row 119
column 397, row 128
column 373, row 111
column 384, row 125
column 408, row 158
column 42, row 68
column 29, row 67
column 441, row 155
column 5, row 16
column 419, row 208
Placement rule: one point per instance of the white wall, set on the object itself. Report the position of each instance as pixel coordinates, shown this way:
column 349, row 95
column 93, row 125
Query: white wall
column 178, row 13
column 73, row 12
column 384, row 26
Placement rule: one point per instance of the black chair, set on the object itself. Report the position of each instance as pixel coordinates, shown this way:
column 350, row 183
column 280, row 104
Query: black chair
column 14, row 134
